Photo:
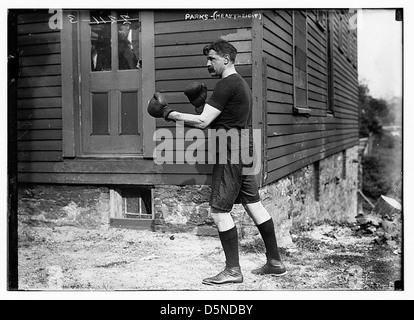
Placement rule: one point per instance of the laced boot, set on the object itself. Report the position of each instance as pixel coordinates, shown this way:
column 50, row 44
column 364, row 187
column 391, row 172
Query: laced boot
column 228, row 275
column 273, row 267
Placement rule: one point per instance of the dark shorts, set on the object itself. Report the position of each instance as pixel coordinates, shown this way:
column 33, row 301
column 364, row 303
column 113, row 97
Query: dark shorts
column 230, row 186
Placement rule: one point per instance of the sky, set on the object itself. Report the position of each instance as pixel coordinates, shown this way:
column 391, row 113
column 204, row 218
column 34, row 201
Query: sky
column 380, row 52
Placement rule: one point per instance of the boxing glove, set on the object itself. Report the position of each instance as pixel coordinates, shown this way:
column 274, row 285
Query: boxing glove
column 158, row 106
column 196, row 93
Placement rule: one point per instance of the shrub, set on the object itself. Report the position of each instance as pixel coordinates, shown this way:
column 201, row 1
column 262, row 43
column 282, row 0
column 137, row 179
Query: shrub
column 385, row 140
column 376, row 181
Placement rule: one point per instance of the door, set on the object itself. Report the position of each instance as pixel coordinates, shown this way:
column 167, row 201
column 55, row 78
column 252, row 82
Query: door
column 111, row 111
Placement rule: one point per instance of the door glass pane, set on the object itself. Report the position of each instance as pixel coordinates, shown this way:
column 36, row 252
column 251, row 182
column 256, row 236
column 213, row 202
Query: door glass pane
column 128, row 40
column 100, row 113
column 100, row 40
column 129, row 113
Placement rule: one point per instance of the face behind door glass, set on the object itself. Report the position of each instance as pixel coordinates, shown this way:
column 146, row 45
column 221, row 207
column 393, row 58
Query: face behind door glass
column 127, row 46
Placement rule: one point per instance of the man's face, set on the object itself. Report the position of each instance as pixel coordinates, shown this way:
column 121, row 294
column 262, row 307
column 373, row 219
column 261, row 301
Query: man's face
column 216, row 64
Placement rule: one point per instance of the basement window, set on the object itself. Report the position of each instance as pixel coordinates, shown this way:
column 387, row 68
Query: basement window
column 136, row 203
column 131, row 208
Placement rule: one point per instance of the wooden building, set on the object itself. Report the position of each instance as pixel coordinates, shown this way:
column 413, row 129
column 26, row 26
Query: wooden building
column 78, row 120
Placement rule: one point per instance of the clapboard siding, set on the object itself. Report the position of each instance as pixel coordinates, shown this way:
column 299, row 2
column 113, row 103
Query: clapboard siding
column 317, row 64
column 294, row 141
column 194, row 37
column 41, row 49
column 44, row 113
column 288, row 129
column 277, row 50
column 296, row 138
column 192, row 73
column 292, row 153
column 116, row 178
column 46, row 81
column 199, row 25
column 39, row 116
column 39, row 134
column 179, row 60
column 302, row 162
column 278, row 64
column 278, row 37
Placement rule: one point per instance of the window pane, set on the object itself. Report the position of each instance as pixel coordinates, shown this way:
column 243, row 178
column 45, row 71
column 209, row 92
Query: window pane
column 128, row 40
column 321, row 17
column 100, row 23
column 100, row 114
column 137, row 203
column 300, row 59
column 133, row 205
column 300, row 78
column 300, row 20
column 301, row 98
column 129, row 113
column 341, row 33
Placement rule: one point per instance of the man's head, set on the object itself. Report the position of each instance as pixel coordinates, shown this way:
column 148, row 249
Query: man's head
column 220, row 55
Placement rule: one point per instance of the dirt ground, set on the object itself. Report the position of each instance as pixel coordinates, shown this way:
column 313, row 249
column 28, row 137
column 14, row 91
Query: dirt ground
column 326, row 257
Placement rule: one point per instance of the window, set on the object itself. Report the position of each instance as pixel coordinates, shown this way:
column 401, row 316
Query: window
column 131, row 207
column 330, row 62
column 353, row 48
column 348, row 46
column 321, row 19
column 341, row 32
column 137, row 203
column 347, row 38
column 300, row 64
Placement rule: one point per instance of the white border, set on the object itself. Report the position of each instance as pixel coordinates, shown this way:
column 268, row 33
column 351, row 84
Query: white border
column 236, row 295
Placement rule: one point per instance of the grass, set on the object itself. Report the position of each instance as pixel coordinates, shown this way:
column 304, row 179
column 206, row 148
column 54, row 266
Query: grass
column 328, row 264
column 254, row 245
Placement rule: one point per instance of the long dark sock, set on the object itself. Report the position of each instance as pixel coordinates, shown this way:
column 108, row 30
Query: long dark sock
column 267, row 231
column 230, row 243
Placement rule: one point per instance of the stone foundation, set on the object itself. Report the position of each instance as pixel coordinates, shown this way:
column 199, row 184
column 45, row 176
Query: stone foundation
column 325, row 191
column 58, row 205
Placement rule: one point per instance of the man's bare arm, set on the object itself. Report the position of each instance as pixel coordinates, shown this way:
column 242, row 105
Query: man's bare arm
column 200, row 121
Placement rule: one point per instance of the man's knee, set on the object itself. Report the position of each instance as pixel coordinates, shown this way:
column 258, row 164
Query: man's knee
column 219, row 215
column 257, row 212
column 222, row 219
column 253, row 208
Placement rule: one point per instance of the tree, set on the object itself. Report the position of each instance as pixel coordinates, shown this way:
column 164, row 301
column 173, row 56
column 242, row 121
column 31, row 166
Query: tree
column 379, row 166
column 374, row 112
